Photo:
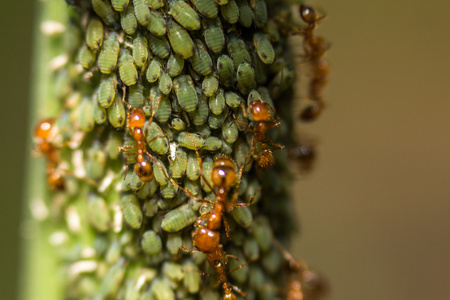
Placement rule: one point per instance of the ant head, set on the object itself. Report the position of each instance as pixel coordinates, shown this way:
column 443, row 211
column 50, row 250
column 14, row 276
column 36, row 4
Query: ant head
column 44, row 128
column 223, row 172
column 136, row 118
column 259, row 110
column 308, row 14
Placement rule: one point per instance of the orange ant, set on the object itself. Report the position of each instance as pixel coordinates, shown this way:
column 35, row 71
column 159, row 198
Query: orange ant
column 260, row 112
column 44, row 134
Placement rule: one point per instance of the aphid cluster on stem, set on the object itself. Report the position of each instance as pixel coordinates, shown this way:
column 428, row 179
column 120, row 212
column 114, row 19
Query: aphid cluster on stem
column 170, row 107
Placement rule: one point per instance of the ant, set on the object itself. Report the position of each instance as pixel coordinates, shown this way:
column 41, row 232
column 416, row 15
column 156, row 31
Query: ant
column 305, row 154
column 44, row 135
column 260, row 111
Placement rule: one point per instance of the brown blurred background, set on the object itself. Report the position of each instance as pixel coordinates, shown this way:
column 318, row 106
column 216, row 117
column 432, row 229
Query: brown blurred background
column 375, row 213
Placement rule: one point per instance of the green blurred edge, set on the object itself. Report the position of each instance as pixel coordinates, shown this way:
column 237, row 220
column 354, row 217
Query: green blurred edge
column 40, row 276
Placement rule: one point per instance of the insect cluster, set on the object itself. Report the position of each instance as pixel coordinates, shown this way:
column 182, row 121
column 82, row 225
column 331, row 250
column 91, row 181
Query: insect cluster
column 170, row 138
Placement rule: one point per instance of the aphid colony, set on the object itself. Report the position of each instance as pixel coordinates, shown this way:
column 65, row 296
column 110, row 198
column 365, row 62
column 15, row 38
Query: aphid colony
column 169, row 112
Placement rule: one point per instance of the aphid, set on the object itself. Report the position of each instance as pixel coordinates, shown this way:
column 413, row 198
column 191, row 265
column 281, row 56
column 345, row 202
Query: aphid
column 128, row 20
column 127, row 69
column 262, row 232
column 120, row 5
column 238, row 51
column 140, row 50
column 217, row 103
column 193, row 168
column 282, row 81
column 201, row 61
column 178, row 124
column 180, row 40
column 225, row 69
column 200, row 116
column 169, row 192
column 245, row 76
column 156, row 138
column 160, row 172
column 94, row 34
column 210, row 85
column 98, row 213
column 44, row 135
column 107, row 90
column 136, row 95
column 208, row 8
column 214, row 37
column 261, row 16
column 185, row 91
column 179, row 164
column 165, row 83
column 173, row 271
column 175, row 65
column 190, row 141
column 251, row 249
column 154, row 70
column 86, row 57
column 107, row 59
column 230, row 131
column 230, row 12
column 161, row 289
column 156, row 4
column 151, row 242
column 157, row 24
column 116, row 113
column 185, row 15
column 213, row 143
column 178, row 218
column 112, row 280
column 99, row 112
column 233, row 100
column 216, row 121
column 142, row 12
column 192, row 279
column 245, row 13
column 132, row 213
column 160, row 105
column 104, row 10
column 263, row 47
column 96, row 160
column 159, row 45
column 86, row 115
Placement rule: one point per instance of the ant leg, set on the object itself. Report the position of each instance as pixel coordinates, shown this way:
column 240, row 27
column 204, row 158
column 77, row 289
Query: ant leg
column 278, row 146
column 183, row 248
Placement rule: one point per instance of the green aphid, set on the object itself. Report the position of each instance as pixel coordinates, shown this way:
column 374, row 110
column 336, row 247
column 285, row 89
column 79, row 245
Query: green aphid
column 136, row 95
column 98, row 213
column 104, row 10
column 213, row 143
column 233, row 100
column 253, row 192
column 245, row 76
column 227, row 148
column 178, row 124
column 173, row 271
column 240, row 265
column 154, row 70
column 175, row 65
column 185, row 15
column 86, row 114
column 216, row 121
column 156, row 4
column 243, row 216
column 192, row 186
column 230, row 131
column 238, row 51
column 253, row 96
column 165, row 83
column 127, row 68
column 217, row 103
column 99, row 111
column 251, row 249
column 221, row 2
column 142, row 12
column 128, row 20
column 112, row 254
column 230, row 12
column 107, row 59
column 241, row 149
column 135, row 182
column 214, row 37
column 207, row 169
column 115, row 140
column 245, row 13
column 179, row 164
column 112, row 281
column 262, row 232
column 272, row 32
column 173, row 243
column 193, row 168
column 140, row 50
column 155, row 260
column 190, row 140
column 116, row 113
column 192, row 279
column 147, row 191
column 86, row 57
column 178, row 218
column 271, row 260
column 160, row 172
column 180, row 40
column 161, row 290
column 201, row 61
column 94, row 34
column 210, row 85
column 150, row 207
column 261, row 70
column 132, row 213
column 157, row 24
column 151, row 242
column 225, row 69
column 159, row 46
column 264, row 47
column 169, row 191
column 185, row 91
column 96, row 160
column 107, row 90
column 200, row 116
column 62, row 85
column 160, row 104
column 208, row 8
column 126, row 180
column 261, row 16
column 120, row 5
column 282, row 81
column 156, row 139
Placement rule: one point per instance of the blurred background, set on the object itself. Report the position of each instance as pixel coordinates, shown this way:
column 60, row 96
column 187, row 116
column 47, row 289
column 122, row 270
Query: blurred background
column 375, row 212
